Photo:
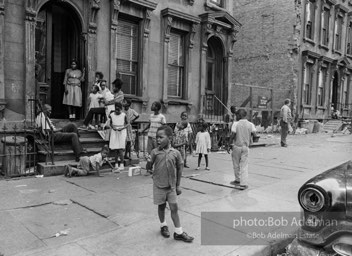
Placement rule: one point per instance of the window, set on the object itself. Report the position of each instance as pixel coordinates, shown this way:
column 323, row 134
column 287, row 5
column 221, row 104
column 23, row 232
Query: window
column 176, row 67
column 308, row 82
column 217, row 2
column 310, row 18
column 127, row 55
column 349, row 40
column 338, row 33
column 325, row 26
column 321, row 87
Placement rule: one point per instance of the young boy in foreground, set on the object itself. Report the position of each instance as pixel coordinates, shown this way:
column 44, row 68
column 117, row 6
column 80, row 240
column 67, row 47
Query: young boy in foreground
column 168, row 166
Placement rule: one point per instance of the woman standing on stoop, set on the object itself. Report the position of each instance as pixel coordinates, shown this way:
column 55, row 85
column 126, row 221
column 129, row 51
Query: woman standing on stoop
column 73, row 93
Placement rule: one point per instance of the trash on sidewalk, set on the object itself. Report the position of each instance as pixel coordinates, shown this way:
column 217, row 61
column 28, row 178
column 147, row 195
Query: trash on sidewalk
column 300, row 131
column 39, row 176
column 62, row 233
column 62, row 202
column 134, row 171
column 20, row 186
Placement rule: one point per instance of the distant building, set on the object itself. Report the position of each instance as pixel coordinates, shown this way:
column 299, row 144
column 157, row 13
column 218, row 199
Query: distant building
column 178, row 52
column 300, row 48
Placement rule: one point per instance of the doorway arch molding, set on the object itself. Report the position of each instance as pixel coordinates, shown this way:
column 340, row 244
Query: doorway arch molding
column 77, row 5
column 222, row 26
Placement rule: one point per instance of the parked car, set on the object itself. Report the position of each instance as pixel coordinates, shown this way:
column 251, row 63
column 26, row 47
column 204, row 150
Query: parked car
column 326, row 214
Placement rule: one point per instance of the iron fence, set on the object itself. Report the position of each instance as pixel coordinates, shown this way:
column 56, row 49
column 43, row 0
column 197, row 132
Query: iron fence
column 18, row 152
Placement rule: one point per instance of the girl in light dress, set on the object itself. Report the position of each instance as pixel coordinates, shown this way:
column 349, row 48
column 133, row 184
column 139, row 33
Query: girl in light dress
column 118, row 124
column 203, row 145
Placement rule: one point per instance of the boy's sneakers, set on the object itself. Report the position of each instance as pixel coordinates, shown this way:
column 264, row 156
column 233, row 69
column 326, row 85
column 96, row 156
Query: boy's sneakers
column 183, row 237
column 165, row 231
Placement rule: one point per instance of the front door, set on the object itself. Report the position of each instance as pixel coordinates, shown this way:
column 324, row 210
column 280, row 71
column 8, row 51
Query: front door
column 57, row 41
column 335, row 91
column 215, row 75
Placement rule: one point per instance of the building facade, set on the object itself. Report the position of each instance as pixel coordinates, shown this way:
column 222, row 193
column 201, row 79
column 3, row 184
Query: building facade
column 301, row 48
column 174, row 51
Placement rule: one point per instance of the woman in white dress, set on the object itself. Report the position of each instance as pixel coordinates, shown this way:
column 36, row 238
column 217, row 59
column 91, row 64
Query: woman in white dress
column 118, row 124
column 73, row 93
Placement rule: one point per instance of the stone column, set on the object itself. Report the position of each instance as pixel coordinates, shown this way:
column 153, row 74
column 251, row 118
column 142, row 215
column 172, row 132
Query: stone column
column 115, row 9
column 229, row 62
column 145, row 58
column 29, row 58
column 92, row 42
column 189, row 62
column 206, row 30
column 168, row 24
column 2, row 77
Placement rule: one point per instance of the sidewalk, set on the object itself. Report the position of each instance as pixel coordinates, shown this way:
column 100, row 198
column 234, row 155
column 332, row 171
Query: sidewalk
column 114, row 214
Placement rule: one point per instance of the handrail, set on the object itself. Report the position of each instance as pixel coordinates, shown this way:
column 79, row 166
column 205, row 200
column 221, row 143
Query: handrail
column 50, row 138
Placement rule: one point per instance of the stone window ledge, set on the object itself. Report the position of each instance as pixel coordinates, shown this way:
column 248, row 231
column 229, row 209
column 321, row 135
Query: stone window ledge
column 177, row 102
column 321, row 107
column 135, row 98
column 307, row 106
column 337, row 52
column 325, row 47
column 309, row 40
column 349, row 55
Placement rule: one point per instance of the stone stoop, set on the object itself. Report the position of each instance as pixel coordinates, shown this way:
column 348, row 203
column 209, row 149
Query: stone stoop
column 47, row 169
column 64, row 155
column 332, row 125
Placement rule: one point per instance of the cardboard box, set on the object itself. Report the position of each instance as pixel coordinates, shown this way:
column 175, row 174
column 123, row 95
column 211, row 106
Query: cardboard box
column 134, row 171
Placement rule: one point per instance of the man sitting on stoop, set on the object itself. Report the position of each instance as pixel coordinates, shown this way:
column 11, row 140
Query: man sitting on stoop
column 68, row 134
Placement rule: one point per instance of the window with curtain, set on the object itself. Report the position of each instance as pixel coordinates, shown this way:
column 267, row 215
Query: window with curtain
column 127, row 55
column 321, row 87
column 176, row 65
column 349, row 39
column 308, row 82
column 310, row 19
column 325, row 16
column 338, row 33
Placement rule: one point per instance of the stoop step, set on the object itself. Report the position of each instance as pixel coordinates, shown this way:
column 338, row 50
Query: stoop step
column 59, row 166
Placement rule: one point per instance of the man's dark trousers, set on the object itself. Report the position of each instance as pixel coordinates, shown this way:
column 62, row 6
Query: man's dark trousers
column 284, row 132
column 69, row 134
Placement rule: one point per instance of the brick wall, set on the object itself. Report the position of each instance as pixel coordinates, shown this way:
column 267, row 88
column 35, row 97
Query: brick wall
column 262, row 53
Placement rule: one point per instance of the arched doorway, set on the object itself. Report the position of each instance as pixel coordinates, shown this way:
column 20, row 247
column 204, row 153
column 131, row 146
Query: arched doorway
column 335, row 91
column 57, row 41
column 215, row 72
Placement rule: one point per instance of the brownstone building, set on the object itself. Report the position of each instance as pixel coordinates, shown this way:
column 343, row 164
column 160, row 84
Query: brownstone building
column 174, row 51
column 300, row 48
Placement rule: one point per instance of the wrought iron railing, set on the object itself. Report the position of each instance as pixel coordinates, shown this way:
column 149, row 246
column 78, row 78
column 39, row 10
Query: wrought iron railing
column 214, row 109
column 44, row 137
column 18, row 150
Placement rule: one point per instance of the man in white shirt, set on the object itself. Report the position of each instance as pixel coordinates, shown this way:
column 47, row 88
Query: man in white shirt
column 68, row 134
column 242, row 132
column 286, row 117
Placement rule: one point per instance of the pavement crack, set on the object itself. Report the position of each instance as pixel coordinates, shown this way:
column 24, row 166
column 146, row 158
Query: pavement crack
column 213, row 183
column 200, row 192
column 89, row 209
column 80, row 186
column 31, row 206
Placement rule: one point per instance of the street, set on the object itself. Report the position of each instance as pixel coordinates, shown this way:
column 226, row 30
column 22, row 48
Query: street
column 115, row 215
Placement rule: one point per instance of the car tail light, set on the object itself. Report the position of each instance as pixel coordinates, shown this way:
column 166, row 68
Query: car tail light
column 312, row 199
